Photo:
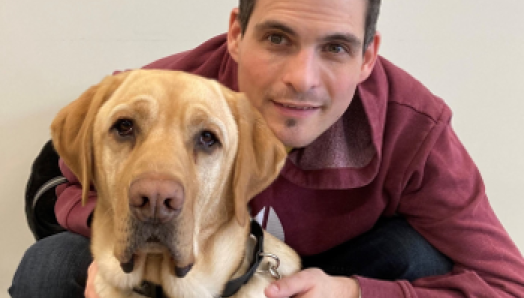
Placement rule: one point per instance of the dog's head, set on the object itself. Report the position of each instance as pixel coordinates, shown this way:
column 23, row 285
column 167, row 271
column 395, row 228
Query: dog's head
column 171, row 155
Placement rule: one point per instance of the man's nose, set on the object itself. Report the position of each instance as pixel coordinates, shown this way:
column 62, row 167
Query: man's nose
column 302, row 71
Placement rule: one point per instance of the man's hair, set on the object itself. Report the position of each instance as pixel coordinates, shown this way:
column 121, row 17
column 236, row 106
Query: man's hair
column 246, row 7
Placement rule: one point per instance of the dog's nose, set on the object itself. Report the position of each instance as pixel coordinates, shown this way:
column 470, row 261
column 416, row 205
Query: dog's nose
column 155, row 200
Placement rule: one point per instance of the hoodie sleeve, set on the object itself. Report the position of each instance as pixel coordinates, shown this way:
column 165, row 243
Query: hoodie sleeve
column 444, row 200
column 69, row 210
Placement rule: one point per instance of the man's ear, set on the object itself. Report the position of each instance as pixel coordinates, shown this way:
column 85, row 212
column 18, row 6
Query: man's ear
column 370, row 57
column 234, row 34
column 260, row 155
column 72, row 129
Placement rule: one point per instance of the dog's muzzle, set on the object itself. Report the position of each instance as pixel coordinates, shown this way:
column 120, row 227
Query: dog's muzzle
column 155, row 204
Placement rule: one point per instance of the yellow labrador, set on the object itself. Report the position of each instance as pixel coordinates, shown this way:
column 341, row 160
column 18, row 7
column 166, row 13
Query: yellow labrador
column 174, row 159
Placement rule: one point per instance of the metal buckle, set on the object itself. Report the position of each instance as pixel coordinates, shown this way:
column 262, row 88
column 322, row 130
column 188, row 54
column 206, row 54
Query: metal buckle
column 272, row 265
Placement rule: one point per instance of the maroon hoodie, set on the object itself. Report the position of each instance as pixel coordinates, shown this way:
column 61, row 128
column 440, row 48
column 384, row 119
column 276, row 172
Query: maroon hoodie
column 393, row 152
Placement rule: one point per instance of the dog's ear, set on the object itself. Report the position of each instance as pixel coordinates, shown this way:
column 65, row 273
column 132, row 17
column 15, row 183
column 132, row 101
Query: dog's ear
column 71, row 130
column 260, row 154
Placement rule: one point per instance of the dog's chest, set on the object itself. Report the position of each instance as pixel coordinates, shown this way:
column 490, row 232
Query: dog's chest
column 153, row 268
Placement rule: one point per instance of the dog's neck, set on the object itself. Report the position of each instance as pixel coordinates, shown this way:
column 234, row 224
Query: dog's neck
column 246, row 270
column 252, row 259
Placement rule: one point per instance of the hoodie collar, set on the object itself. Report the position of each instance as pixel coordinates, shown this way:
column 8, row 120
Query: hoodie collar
column 348, row 154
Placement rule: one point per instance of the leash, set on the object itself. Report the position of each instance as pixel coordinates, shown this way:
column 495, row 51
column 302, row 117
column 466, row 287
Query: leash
column 152, row 290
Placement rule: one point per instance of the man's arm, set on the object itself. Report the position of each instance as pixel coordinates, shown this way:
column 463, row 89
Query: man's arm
column 443, row 198
column 69, row 211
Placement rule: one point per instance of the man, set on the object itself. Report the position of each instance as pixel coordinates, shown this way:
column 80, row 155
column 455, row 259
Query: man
column 377, row 191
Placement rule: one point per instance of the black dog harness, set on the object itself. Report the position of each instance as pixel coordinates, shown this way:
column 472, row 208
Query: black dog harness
column 151, row 290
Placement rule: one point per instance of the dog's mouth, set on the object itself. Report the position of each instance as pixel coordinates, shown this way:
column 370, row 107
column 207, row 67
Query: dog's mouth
column 153, row 239
column 147, row 239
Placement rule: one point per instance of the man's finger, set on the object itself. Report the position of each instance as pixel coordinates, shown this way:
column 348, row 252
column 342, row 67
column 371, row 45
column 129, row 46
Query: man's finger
column 291, row 285
column 92, row 269
column 90, row 291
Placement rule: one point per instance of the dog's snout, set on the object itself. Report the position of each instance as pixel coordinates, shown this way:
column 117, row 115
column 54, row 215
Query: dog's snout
column 155, row 200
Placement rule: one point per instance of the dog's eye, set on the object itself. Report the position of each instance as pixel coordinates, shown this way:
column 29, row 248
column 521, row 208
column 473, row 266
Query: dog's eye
column 207, row 139
column 124, row 127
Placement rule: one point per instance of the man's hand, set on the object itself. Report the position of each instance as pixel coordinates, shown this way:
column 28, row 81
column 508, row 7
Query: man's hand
column 313, row 283
column 90, row 284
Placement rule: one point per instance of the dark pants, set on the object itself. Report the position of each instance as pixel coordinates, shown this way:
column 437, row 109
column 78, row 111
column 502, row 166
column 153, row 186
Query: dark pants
column 392, row 250
column 57, row 266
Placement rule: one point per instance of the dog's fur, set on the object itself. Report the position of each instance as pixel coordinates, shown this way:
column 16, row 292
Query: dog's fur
column 212, row 182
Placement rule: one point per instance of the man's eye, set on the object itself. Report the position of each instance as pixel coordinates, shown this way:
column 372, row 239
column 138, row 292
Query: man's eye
column 335, row 48
column 276, row 39
column 124, row 127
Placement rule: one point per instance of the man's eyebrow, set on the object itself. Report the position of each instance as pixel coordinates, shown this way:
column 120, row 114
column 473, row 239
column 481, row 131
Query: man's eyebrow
column 274, row 25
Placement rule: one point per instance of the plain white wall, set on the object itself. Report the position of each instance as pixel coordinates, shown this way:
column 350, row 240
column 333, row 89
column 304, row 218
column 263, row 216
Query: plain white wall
column 470, row 52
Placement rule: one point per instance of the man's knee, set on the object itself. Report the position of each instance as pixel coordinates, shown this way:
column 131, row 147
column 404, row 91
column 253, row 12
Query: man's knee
column 392, row 250
column 59, row 261
column 409, row 255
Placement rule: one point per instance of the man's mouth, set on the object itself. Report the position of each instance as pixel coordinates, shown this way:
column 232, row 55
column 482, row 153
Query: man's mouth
column 296, row 107
column 295, row 110
column 304, row 107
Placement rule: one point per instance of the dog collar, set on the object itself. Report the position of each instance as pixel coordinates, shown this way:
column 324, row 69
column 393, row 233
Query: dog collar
column 152, row 290
column 234, row 285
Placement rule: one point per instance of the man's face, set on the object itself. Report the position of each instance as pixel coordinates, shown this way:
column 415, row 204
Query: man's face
column 299, row 62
